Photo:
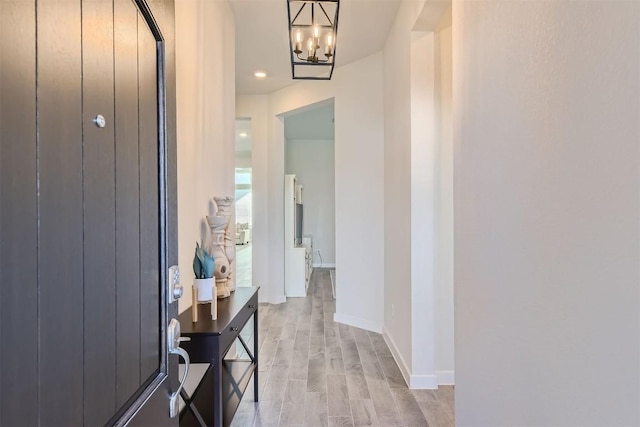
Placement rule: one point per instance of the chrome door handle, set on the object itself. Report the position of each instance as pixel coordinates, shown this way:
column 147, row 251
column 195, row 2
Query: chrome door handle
column 173, row 342
column 174, row 407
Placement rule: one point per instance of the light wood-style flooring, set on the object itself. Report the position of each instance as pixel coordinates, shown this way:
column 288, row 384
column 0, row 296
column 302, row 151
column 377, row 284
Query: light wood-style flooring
column 316, row 372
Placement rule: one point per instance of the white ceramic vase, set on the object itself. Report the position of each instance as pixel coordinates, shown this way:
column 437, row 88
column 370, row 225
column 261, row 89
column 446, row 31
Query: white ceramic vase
column 205, row 289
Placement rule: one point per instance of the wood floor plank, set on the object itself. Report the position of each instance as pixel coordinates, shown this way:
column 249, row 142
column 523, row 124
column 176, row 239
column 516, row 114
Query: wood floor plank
column 446, row 397
column 275, row 331
column 289, row 329
column 301, row 342
column 410, row 411
column 345, row 332
column 299, row 368
column 294, row 402
column 380, row 345
column 317, row 327
column 276, row 384
column 364, row 413
column 435, row 415
column 268, row 414
column 338, row 396
column 316, row 347
column 328, row 317
column 267, row 355
column 357, row 385
column 329, row 307
column 284, row 353
column 350, row 355
column 335, row 364
column 362, row 339
column 247, row 405
column 243, row 420
column 425, row 395
column 392, row 372
column 331, row 337
column 340, row 422
column 315, row 410
column 295, row 392
column 383, row 403
column 371, row 365
column 304, row 321
column 317, row 376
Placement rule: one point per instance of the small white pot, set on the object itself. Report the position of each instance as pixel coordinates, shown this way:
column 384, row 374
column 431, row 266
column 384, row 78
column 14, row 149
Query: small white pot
column 205, row 289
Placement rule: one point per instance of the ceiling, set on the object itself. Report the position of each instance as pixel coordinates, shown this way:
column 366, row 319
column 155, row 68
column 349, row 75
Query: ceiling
column 262, row 39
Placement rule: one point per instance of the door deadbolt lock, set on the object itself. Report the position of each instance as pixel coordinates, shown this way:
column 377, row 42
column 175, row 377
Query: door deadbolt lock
column 175, row 288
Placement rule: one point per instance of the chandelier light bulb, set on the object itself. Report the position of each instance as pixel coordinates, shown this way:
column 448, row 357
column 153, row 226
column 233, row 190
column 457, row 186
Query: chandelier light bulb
column 316, row 32
column 298, row 45
column 327, row 49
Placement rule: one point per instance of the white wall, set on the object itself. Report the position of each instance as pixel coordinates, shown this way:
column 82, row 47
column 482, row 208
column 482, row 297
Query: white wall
column 418, row 193
column 312, row 161
column 397, row 185
column 205, row 86
column 243, row 160
column 359, row 179
column 256, row 107
column 443, row 203
column 422, row 207
column 432, row 354
column 547, row 219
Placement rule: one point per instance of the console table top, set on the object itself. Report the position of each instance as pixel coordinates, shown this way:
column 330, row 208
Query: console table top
column 228, row 309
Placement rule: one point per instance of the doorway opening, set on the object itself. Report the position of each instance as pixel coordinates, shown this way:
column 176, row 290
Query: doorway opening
column 243, row 195
column 309, row 137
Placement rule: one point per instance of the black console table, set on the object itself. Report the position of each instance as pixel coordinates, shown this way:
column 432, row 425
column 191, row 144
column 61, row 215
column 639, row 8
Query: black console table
column 216, row 398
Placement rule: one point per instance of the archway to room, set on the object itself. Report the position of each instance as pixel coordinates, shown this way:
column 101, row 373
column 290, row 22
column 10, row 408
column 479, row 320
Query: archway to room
column 309, row 166
column 244, row 201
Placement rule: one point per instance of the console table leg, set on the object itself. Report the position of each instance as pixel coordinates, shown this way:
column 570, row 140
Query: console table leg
column 256, row 383
column 217, row 394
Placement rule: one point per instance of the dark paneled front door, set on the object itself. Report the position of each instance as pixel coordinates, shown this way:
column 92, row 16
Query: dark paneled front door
column 85, row 206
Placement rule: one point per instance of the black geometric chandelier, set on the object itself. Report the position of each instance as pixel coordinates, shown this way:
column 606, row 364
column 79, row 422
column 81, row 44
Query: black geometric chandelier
column 313, row 26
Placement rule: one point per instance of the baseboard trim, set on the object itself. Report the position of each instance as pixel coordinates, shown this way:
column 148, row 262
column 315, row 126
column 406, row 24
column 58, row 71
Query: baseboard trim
column 446, row 377
column 279, row 299
column 358, row 322
column 404, row 368
column 429, row 382
column 325, row 265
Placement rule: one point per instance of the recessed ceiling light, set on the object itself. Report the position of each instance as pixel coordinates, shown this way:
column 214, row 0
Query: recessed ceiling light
column 260, row 74
column 243, row 134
